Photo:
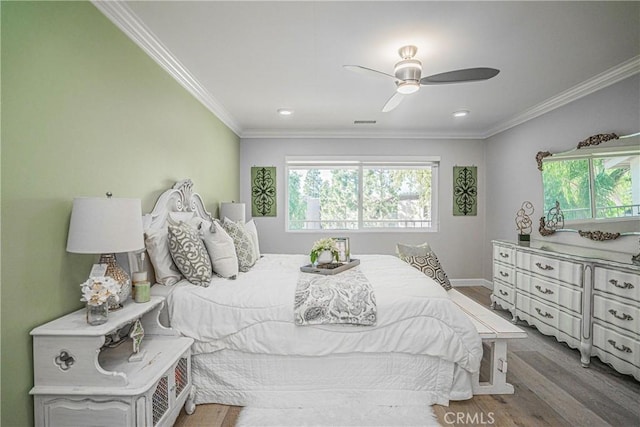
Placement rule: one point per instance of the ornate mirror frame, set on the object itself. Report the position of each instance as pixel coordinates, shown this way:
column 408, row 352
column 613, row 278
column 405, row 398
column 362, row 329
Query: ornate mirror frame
column 548, row 226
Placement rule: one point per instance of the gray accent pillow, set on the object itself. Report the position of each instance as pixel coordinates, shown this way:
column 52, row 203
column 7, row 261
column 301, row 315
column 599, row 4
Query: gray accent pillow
column 430, row 266
column 244, row 244
column 190, row 254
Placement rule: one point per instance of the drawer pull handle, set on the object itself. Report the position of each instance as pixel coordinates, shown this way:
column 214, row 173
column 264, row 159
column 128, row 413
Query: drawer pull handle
column 625, row 285
column 547, row 315
column 503, row 292
column 546, row 266
column 546, row 291
column 503, row 255
column 624, row 316
column 503, row 274
column 623, row 348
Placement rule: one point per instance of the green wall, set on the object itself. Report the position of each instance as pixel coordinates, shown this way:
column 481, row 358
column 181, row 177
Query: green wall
column 84, row 111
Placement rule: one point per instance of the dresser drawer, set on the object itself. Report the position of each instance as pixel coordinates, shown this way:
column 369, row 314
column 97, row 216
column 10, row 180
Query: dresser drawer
column 565, row 296
column 504, row 254
column 626, row 285
column 504, row 273
column 618, row 345
column 549, row 315
column 622, row 315
column 504, row 292
column 566, row 271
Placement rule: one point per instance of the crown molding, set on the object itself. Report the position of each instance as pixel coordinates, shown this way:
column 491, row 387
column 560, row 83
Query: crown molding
column 351, row 134
column 125, row 19
column 594, row 84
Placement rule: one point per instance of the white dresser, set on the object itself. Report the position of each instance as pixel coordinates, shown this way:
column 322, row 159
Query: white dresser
column 79, row 382
column 591, row 304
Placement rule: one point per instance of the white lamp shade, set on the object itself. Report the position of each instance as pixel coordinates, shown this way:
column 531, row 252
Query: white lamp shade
column 233, row 211
column 105, row 225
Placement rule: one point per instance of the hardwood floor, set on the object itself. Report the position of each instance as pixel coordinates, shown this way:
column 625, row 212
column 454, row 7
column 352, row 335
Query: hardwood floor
column 551, row 389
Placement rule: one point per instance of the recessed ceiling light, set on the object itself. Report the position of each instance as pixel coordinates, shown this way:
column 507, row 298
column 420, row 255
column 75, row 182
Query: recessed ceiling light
column 285, row 111
column 461, row 113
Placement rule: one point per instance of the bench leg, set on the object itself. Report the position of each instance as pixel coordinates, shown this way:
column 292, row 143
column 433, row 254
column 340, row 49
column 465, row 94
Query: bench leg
column 497, row 383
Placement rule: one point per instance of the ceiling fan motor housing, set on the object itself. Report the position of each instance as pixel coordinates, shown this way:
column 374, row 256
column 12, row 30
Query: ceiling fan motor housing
column 408, row 69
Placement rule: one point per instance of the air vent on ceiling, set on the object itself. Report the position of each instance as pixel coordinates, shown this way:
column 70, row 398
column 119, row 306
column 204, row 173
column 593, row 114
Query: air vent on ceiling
column 364, row 122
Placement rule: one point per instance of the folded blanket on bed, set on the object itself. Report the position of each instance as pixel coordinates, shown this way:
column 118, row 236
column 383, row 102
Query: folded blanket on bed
column 346, row 297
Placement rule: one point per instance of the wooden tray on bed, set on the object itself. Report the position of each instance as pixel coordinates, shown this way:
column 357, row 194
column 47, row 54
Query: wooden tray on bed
column 330, row 269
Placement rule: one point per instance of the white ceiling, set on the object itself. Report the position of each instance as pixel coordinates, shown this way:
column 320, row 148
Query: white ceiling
column 244, row 60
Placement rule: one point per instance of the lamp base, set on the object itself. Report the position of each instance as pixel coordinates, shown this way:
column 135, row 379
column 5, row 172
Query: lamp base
column 120, row 276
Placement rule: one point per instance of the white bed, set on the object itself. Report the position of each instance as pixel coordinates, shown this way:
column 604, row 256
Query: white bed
column 248, row 351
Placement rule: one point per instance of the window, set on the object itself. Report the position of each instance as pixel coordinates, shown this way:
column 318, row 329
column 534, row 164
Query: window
column 593, row 187
column 361, row 194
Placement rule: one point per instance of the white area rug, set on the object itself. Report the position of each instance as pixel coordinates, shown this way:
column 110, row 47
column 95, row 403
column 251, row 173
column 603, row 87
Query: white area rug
column 362, row 415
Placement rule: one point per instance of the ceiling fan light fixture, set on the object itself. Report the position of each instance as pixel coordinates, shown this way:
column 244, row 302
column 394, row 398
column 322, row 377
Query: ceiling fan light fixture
column 408, row 87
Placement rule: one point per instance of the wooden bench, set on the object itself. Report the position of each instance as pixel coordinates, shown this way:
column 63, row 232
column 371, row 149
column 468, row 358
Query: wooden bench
column 495, row 331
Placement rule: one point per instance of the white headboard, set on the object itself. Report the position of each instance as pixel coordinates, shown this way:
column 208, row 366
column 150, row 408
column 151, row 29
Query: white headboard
column 177, row 202
column 179, row 198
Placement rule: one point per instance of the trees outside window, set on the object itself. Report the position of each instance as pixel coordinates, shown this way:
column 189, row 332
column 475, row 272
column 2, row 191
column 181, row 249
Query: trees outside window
column 357, row 195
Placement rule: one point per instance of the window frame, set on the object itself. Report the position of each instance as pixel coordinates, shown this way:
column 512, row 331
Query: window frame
column 360, row 162
column 590, row 159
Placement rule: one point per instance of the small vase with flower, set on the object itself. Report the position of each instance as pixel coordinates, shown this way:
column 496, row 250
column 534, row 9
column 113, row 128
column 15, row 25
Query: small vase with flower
column 96, row 292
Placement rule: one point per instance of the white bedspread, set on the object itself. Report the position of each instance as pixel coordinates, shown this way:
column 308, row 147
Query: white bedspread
column 254, row 314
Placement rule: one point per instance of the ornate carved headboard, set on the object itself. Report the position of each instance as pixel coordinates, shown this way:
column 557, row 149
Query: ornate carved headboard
column 178, row 202
column 179, row 198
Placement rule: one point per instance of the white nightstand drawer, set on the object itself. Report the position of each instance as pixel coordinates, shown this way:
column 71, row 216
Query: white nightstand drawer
column 566, row 271
column 504, row 254
column 622, row 315
column 564, row 296
column 620, row 283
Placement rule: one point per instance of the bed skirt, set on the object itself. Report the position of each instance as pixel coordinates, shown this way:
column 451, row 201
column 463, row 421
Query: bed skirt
column 243, row 379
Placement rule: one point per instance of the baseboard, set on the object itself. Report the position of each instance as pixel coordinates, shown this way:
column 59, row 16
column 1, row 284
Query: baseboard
column 459, row 283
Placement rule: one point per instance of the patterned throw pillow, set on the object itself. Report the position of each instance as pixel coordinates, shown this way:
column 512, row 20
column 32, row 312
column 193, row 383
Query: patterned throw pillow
column 243, row 243
column 430, row 266
column 189, row 254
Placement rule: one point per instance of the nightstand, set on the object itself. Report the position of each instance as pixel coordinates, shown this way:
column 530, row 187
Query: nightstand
column 77, row 382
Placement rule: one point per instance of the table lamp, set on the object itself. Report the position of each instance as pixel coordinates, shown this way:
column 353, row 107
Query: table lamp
column 232, row 210
column 106, row 226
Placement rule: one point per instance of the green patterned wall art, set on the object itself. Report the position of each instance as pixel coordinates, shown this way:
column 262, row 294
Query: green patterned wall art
column 263, row 191
column 465, row 191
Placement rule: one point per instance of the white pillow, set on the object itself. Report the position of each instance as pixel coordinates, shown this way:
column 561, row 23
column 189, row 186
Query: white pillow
column 157, row 243
column 253, row 234
column 221, row 249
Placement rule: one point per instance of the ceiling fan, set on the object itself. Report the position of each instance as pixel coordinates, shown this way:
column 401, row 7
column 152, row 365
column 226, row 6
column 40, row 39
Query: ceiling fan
column 407, row 76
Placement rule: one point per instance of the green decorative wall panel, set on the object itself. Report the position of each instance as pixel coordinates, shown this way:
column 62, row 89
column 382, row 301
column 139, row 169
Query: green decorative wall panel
column 465, row 190
column 263, row 191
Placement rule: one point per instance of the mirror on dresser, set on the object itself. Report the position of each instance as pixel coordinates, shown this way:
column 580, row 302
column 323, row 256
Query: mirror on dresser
column 596, row 185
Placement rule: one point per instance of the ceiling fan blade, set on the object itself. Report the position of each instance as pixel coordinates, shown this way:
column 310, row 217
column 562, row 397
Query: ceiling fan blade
column 460, row 76
column 393, row 102
column 368, row 71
